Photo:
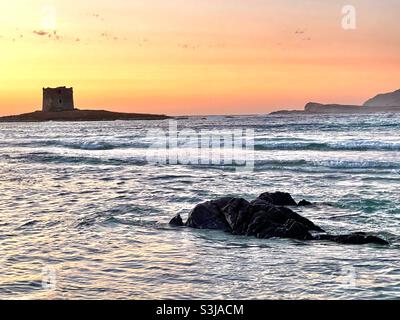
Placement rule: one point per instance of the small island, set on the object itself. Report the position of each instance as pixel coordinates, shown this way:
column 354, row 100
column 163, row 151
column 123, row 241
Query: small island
column 58, row 105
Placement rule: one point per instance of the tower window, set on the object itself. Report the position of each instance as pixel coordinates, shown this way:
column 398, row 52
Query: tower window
column 60, row 101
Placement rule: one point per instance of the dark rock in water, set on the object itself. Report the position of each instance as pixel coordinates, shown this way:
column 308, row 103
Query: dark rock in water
column 264, row 218
column 236, row 213
column 209, row 215
column 353, row 238
column 297, row 230
column 177, row 221
column 304, row 203
column 280, row 215
column 278, row 198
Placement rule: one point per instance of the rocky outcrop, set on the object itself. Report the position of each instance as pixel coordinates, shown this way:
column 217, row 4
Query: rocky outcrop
column 391, row 99
column 265, row 217
column 80, row 115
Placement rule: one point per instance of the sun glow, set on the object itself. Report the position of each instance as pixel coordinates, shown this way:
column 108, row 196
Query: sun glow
column 49, row 18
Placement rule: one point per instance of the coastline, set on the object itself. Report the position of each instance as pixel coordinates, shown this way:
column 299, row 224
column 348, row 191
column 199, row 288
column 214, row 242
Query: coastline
column 381, row 103
column 316, row 108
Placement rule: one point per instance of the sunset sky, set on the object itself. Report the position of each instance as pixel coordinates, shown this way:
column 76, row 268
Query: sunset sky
column 196, row 57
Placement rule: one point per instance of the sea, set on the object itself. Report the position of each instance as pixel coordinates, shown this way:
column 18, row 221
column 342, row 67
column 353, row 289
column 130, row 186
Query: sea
column 85, row 207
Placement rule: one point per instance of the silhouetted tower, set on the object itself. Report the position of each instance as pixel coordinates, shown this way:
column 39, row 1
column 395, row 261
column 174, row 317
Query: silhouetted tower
column 58, row 99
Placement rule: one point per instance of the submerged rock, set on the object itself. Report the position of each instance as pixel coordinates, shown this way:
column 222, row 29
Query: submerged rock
column 304, row 203
column 177, row 221
column 353, row 238
column 264, row 218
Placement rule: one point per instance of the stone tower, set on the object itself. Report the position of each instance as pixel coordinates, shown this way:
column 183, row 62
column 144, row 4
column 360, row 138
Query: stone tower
column 58, row 99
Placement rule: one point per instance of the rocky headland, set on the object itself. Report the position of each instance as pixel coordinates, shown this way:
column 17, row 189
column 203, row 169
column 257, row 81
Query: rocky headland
column 391, row 99
column 382, row 103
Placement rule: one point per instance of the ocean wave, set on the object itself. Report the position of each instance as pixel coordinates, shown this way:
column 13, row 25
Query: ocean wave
column 366, row 205
column 330, row 146
column 348, row 164
column 332, row 164
column 306, row 163
column 262, row 143
column 76, row 145
column 273, row 145
column 91, row 146
column 47, row 157
column 303, row 164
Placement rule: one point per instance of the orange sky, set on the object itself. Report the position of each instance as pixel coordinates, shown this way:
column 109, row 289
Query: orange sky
column 196, row 57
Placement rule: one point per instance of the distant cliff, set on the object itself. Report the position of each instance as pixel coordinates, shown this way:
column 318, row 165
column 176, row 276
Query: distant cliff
column 314, row 107
column 391, row 99
column 387, row 102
